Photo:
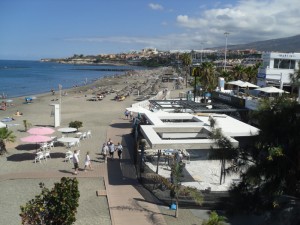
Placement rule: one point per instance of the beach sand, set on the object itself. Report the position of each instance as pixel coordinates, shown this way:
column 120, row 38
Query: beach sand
column 20, row 176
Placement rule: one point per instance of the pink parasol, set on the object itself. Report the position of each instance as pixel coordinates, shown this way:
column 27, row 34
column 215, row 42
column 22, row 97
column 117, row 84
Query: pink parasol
column 41, row 130
column 36, row 139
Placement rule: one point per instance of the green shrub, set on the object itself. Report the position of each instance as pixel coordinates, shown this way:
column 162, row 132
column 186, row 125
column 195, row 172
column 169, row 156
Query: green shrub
column 55, row 206
column 75, row 124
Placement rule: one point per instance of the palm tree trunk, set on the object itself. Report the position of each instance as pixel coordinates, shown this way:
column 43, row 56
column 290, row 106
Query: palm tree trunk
column 158, row 158
column 176, row 211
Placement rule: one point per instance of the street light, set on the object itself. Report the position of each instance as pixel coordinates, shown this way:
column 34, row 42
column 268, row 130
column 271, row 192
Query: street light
column 226, row 35
column 201, row 50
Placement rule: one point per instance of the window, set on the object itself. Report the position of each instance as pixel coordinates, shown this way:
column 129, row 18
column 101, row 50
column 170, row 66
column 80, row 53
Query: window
column 284, row 64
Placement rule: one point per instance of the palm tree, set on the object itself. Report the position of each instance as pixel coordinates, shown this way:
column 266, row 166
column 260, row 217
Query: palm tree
column 207, row 77
column 250, row 73
column 238, row 72
column 225, row 74
column 186, row 62
column 225, row 151
column 5, row 136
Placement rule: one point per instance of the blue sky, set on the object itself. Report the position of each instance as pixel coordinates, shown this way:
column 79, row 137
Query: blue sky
column 34, row 29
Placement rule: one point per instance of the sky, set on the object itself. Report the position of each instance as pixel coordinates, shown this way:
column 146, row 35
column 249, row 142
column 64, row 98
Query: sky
column 35, row 29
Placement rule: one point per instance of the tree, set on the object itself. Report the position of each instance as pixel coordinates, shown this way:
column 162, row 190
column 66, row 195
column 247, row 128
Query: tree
column 57, row 206
column 186, row 62
column 225, row 74
column 295, row 80
column 206, row 76
column 215, row 219
column 225, row 151
column 238, row 72
column 271, row 164
column 175, row 187
column 75, row 124
column 251, row 73
column 5, row 136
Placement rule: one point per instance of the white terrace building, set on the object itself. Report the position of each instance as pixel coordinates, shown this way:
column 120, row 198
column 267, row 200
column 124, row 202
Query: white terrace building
column 277, row 67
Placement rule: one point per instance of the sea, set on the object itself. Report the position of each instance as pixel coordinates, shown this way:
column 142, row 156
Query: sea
column 27, row 78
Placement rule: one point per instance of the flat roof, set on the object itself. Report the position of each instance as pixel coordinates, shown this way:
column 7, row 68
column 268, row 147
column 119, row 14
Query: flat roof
column 170, row 130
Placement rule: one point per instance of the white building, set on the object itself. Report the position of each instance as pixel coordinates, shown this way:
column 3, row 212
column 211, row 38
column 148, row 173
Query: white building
column 277, row 66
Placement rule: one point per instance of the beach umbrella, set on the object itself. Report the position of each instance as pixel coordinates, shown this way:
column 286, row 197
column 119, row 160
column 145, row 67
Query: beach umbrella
column 249, row 85
column 41, row 130
column 238, row 83
column 36, row 139
column 270, row 90
column 138, row 109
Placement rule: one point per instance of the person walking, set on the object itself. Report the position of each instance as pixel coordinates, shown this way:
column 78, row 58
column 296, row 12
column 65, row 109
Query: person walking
column 87, row 162
column 75, row 162
column 105, row 151
column 119, row 150
column 131, row 115
column 126, row 113
column 109, row 142
column 111, row 149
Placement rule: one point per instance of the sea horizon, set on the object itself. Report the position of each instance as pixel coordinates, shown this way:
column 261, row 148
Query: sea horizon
column 21, row 78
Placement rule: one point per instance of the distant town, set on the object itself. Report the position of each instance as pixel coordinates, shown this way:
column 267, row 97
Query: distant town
column 151, row 57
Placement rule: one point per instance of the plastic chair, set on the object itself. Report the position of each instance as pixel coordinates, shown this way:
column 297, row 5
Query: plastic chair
column 44, row 146
column 69, row 156
column 77, row 143
column 39, row 157
column 71, row 144
column 46, row 154
column 51, row 145
column 84, row 135
column 89, row 134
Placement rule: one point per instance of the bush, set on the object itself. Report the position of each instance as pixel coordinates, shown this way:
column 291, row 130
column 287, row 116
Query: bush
column 75, row 124
column 215, row 219
column 56, row 206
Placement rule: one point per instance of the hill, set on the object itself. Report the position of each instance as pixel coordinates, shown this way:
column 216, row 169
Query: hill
column 288, row 44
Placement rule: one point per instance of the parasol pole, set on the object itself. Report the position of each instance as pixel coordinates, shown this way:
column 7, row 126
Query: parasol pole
column 60, row 88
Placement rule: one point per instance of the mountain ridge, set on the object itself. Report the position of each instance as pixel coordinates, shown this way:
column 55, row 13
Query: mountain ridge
column 287, row 44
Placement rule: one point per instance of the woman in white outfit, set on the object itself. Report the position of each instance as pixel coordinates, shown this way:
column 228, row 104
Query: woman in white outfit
column 87, row 162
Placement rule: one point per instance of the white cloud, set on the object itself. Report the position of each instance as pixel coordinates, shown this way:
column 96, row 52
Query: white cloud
column 249, row 20
column 156, row 6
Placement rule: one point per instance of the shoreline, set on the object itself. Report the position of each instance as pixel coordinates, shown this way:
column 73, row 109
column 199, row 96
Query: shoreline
column 82, row 88
column 33, row 77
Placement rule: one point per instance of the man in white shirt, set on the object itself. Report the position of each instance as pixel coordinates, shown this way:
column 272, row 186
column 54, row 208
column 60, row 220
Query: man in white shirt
column 76, row 162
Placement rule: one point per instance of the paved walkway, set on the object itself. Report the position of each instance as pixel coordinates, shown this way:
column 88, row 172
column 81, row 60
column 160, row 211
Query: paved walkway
column 128, row 201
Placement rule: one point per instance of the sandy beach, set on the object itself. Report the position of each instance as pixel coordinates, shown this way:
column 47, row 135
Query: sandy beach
column 20, row 176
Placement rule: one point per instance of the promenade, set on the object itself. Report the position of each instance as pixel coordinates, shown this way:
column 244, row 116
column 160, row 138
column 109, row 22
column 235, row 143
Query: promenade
column 128, row 201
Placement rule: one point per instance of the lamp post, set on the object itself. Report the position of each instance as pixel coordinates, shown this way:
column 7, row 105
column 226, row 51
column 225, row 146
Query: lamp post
column 201, row 50
column 226, row 35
